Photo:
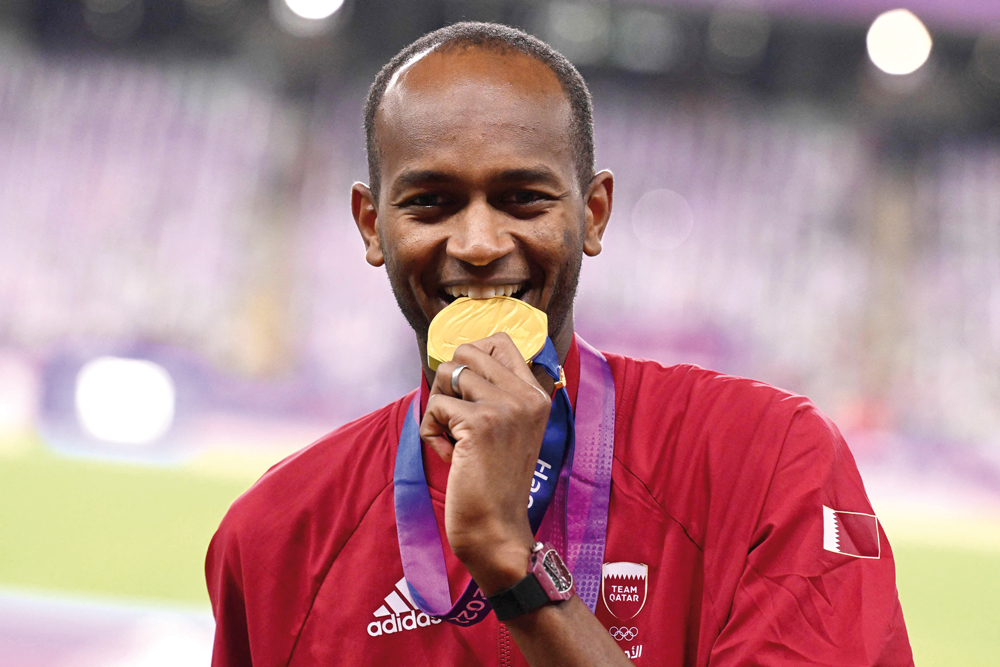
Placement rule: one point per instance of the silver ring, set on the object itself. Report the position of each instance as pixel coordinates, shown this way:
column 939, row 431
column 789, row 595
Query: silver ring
column 454, row 378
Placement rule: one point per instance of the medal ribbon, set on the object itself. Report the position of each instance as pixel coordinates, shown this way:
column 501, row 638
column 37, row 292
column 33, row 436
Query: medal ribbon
column 578, row 478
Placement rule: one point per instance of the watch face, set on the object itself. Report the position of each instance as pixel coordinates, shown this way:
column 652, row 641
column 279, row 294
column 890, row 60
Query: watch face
column 557, row 571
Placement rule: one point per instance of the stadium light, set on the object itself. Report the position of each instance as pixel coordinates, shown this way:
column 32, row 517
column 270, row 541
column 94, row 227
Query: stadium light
column 898, row 43
column 315, row 10
column 662, row 219
column 124, row 401
column 737, row 39
column 647, row 40
column 579, row 30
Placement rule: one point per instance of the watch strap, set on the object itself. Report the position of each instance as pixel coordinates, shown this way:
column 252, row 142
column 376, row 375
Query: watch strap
column 523, row 597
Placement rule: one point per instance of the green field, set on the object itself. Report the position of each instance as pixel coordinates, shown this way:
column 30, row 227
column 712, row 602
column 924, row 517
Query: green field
column 92, row 527
column 951, row 601
column 141, row 532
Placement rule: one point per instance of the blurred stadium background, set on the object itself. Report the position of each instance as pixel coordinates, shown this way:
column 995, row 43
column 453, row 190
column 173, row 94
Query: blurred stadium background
column 805, row 195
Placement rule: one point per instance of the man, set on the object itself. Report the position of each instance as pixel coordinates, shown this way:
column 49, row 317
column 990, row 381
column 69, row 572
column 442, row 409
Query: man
column 735, row 529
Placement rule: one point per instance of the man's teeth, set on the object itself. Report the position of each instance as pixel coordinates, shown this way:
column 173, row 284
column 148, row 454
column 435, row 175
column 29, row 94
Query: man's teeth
column 484, row 292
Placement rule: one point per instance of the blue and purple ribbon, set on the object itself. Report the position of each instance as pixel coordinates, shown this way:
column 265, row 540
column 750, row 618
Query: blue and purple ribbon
column 573, row 476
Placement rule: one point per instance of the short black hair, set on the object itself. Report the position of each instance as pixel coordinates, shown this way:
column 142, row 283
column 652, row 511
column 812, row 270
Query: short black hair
column 500, row 39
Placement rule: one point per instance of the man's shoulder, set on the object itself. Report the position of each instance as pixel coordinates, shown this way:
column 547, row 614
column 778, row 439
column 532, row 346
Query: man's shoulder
column 687, row 391
column 346, row 468
column 698, row 439
column 274, row 547
column 684, row 420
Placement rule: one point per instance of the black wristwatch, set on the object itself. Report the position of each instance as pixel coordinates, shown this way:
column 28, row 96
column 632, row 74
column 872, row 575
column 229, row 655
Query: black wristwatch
column 548, row 581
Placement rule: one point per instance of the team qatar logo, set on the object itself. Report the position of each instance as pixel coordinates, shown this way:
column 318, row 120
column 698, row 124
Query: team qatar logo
column 623, row 588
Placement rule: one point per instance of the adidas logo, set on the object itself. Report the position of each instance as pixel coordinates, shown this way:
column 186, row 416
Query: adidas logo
column 399, row 613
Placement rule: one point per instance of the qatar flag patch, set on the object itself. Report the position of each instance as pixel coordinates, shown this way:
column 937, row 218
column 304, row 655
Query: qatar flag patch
column 851, row 533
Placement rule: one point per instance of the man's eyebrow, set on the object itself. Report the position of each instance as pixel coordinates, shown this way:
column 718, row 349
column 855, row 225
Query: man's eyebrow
column 415, row 177
column 541, row 175
column 422, row 177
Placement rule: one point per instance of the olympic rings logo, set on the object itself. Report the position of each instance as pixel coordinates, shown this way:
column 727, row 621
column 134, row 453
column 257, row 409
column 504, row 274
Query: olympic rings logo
column 623, row 633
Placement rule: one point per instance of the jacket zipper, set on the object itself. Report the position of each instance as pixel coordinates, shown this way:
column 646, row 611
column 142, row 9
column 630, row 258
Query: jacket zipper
column 503, row 646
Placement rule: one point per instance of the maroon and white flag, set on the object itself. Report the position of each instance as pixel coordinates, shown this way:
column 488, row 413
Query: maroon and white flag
column 851, row 533
column 623, row 588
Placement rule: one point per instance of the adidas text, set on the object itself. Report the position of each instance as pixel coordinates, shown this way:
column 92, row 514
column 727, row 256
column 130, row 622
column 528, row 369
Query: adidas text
column 398, row 623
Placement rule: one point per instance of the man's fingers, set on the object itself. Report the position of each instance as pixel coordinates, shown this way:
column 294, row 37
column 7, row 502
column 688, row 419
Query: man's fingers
column 470, row 384
column 498, row 361
column 484, row 377
column 494, row 373
column 435, row 427
column 441, row 446
column 501, row 348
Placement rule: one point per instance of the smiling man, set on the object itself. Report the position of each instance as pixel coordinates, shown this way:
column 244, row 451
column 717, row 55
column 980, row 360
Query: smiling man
column 703, row 519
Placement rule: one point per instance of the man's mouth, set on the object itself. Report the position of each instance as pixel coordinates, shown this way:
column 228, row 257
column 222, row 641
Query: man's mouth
column 516, row 290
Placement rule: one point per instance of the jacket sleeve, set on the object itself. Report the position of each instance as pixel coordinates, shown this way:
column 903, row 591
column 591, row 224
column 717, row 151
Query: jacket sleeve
column 225, row 590
column 819, row 585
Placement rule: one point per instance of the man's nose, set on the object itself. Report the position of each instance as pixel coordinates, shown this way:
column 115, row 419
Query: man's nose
column 481, row 235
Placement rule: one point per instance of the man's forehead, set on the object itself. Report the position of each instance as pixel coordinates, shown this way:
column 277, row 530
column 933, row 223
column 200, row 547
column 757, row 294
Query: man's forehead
column 448, row 65
column 441, row 95
column 464, row 79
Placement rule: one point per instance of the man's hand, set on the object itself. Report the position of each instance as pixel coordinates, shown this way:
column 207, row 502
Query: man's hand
column 491, row 430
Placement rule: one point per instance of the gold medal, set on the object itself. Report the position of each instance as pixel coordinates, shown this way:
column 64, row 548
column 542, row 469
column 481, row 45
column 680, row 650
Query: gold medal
column 467, row 320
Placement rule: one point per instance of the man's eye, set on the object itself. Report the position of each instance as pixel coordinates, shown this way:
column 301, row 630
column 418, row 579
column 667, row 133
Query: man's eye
column 522, row 197
column 426, row 201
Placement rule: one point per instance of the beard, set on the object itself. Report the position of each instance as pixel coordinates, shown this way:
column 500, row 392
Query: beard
column 560, row 307
column 559, row 310
column 406, row 302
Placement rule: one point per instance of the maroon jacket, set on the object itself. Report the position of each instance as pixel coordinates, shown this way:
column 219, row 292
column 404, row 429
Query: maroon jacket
column 739, row 533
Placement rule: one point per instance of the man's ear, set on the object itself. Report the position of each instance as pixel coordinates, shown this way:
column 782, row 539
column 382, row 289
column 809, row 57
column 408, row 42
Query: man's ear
column 366, row 217
column 599, row 197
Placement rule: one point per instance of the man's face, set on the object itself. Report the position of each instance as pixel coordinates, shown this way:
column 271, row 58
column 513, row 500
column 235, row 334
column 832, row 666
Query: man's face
column 479, row 193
